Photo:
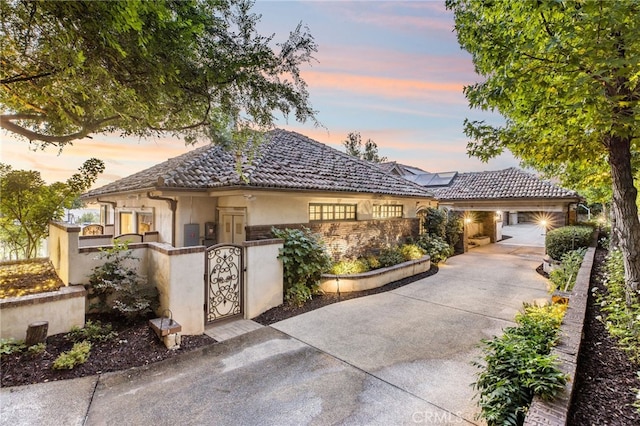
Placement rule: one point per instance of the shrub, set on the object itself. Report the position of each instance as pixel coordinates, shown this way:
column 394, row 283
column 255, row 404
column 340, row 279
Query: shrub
column 435, row 222
column 373, row 262
column 436, row 247
column 77, row 355
column 390, row 256
column 350, row 266
column 564, row 277
column 411, row 252
column 562, row 240
column 300, row 293
column 304, row 259
column 454, row 227
column 517, row 366
column 622, row 319
column 93, row 331
column 118, row 287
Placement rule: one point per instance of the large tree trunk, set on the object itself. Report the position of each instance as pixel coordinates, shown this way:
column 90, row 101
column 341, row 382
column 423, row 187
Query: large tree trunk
column 625, row 210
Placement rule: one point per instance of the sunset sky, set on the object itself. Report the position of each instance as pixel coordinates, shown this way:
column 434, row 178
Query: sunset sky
column 392, row 71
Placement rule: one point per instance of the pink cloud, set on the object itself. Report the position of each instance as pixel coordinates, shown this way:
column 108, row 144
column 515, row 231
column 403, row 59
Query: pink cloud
column 450, row 93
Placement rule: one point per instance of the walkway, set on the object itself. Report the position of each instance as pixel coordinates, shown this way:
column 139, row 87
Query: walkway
column 401, row 357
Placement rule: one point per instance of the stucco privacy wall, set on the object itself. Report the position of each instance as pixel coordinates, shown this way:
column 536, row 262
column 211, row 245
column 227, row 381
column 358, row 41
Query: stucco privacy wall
column 74, row 264
column 178, row 273
column 178, row 276
column 62, row 309
column 263, row 279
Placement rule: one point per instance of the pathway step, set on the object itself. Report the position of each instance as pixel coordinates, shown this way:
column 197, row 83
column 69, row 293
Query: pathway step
column 230, row 329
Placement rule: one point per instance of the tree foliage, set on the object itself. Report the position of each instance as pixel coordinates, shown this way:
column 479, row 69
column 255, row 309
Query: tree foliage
column 565, row 75
column 28, row 204
column 369, row 152
column 194, row 68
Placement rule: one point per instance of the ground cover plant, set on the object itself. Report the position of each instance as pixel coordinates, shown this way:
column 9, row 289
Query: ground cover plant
column 25, row 277
column 518, row 365
column 606, row 383
column 563, row 278
column 621, row 310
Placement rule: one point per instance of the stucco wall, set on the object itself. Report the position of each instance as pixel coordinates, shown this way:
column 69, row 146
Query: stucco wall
column 62, row 309
column 178, row 274
column 284, row 208
column 194, row 209
column 264, row 276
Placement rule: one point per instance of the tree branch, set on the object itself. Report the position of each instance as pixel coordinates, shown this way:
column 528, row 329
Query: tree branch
column 21, row 77
column 7, row 123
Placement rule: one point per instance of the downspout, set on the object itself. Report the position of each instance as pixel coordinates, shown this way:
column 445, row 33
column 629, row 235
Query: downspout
column 173, row 205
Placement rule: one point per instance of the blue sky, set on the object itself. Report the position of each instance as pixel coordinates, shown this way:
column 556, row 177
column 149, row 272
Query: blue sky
column 392, row 71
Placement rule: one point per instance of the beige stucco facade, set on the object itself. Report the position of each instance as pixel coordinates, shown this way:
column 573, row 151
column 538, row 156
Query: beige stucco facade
column 254, row 207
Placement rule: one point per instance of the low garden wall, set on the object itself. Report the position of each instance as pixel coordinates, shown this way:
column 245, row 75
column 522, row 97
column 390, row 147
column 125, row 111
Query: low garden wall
column 62, row 309
column 177, row 273
column 373, row 279
column 556, row 412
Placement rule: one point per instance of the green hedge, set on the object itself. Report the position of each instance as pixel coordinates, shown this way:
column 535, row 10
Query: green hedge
column 563, row 240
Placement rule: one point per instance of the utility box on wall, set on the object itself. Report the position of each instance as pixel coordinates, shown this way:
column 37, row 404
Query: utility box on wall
column 191, row 234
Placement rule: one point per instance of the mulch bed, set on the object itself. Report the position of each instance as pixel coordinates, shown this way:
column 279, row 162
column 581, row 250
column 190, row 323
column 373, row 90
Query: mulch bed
column 606, row 381
column 136, row 345
column 285, row 311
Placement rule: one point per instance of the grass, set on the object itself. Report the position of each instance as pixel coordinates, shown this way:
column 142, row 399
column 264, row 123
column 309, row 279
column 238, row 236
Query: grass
column 27, row 277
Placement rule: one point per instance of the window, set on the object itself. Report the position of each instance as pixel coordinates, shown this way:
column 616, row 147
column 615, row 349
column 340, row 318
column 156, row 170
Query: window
column 145, row 222
column 136, row 222
column 126, row 223
column 387, row 211
column 329, row 212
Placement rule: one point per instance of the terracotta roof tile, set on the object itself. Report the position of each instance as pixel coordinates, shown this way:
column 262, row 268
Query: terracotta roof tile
column 500, row 184
column 285, row 160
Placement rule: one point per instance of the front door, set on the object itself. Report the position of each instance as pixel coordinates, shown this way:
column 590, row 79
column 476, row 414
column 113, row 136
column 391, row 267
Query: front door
column 232, row 231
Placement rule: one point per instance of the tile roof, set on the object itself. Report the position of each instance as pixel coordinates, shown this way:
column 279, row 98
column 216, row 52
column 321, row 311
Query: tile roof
column 501, row 184
column 284, row 160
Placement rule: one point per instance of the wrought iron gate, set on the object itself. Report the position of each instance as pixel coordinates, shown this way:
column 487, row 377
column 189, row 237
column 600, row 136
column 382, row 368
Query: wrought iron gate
column 223, row 279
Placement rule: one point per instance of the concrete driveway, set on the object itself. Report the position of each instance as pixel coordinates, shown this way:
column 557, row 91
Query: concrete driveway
column 401, row 357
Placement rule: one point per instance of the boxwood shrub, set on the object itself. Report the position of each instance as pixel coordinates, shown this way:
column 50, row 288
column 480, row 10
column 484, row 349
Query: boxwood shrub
column 563, row 240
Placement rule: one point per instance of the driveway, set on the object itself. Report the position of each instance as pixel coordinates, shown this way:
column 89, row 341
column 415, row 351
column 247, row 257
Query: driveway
column 401, row 357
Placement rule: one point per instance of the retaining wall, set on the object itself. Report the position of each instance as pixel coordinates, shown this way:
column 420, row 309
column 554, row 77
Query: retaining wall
column 556, row 412
column 62, row 309
column 373, row 279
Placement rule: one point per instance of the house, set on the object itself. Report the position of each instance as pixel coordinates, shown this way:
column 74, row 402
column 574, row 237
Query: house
column 210, row 195
column 493, row 198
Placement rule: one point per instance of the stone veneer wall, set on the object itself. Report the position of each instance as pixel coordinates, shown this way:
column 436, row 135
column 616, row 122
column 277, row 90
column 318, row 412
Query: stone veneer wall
column 352, row 238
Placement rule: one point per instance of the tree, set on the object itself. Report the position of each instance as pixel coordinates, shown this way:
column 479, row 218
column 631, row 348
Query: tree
column 353, row 146
column 28, row 204
column 193, row 68
column 565, row 75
